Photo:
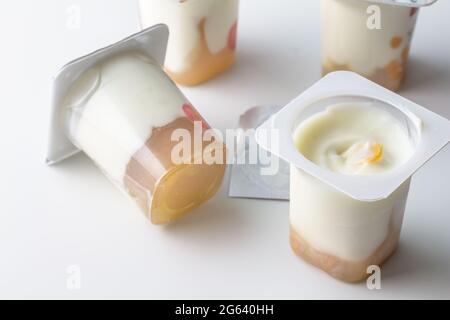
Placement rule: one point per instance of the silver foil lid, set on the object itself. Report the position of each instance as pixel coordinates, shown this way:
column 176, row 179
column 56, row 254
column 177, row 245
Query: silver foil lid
column 151, row 41
column 246, row 180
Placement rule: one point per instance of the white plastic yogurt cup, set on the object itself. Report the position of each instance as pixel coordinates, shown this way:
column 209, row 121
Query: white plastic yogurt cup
column 370, row 37
column 119, row 107
column 353, row 147
column 202, row 38
column 355, row 137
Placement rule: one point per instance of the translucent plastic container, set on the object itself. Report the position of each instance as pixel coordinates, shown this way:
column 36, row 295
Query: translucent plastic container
column 369, row 37
column 123, row 112
column 202, row 39
column 326, row 233
column 353, row 147
column 361, row 138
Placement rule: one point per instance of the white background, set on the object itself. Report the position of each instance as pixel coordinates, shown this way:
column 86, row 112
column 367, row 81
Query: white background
column 52, row 218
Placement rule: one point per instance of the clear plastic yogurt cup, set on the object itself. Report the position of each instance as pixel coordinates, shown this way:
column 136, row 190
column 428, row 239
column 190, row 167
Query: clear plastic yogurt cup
column 202, row 40
column 370, row 37
column 122, row 110
column 353, row 147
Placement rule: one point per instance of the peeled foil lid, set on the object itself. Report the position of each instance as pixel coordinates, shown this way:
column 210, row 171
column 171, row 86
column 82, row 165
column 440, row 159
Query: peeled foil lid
column 151, row 41
column 406, row 3
column 246, row 180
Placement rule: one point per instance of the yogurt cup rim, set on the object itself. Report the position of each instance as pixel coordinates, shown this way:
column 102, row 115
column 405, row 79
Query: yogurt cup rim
column 434, row 133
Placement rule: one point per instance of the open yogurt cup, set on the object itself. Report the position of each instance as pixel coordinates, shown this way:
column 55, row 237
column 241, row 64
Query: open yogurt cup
column 353, row 147
column 369, row 37
column 119, row 107
column 202, row 40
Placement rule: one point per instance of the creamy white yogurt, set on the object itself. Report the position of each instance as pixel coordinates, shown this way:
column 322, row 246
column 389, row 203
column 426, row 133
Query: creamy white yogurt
column 347, row 138
column 347, row 40
column 340, row 139
column 183, row 20
column 113, row 108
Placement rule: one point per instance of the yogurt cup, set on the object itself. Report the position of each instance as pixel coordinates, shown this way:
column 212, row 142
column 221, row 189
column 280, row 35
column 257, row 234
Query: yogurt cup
column 121, row 109
column 202, row 40
column 370, row 37
column 353, row 147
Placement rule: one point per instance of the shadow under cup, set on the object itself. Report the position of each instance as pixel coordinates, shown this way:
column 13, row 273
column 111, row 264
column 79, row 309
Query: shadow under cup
column 123, row 114
column 368, row 38
column 337, row 233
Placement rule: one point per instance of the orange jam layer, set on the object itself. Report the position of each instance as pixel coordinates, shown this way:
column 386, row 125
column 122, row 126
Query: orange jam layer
column 390, row 77
column 204, row 65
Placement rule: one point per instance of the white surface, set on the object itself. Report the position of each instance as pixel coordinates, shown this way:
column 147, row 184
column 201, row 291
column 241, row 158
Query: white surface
column 52, row 218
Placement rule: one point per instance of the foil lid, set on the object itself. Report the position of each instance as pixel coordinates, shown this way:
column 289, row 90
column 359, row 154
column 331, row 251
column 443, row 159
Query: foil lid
column 151, row 41
column 246, row 180
column 429, row 131
column 406, row 3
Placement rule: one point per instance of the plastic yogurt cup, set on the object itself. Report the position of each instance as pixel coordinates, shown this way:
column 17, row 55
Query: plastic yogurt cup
column 338, row 233
column 121, row 109
column 353, row 147
column 370, row 37
column 202, row 38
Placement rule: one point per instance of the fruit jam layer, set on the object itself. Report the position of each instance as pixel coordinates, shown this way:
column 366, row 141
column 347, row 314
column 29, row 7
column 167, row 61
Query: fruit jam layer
column 345, row 270
column 164, row 190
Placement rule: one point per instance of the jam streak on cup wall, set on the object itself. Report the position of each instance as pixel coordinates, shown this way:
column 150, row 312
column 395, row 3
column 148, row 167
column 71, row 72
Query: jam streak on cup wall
column 353, row 147
column 202, row 38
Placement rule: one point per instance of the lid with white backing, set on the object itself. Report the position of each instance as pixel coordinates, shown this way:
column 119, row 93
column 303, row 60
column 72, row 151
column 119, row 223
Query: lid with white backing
column 427, row 131
column 151, row 41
